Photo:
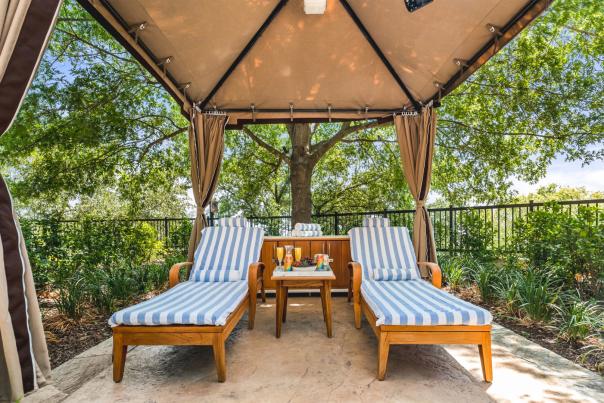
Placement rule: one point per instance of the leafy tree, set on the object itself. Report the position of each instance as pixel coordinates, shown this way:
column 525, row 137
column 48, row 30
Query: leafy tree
column 95, row 124
column 553, row 192
column 97, row 129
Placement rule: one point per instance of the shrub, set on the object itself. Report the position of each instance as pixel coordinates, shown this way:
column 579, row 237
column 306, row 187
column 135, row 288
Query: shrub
column 474, row 235
column 537, row 294
column 578, row 319
column 71, row 297
column 457, row 270
column 486, row 277
column 568, row 245
column 506, row 290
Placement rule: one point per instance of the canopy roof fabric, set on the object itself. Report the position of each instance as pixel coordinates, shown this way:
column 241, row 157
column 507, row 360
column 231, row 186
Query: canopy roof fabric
column 262, row 59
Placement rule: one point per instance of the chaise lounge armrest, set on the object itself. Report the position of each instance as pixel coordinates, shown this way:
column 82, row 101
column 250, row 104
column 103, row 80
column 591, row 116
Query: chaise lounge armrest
column 434, row 273
column 175, row 272
column 255, row 276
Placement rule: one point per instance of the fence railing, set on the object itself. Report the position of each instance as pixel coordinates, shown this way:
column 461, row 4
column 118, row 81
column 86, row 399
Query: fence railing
column 455, row 228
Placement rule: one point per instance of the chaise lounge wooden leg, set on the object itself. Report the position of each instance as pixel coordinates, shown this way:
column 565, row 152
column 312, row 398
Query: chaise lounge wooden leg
column 383, row 350
column 119, row 357
column 252, row 311
column 486, row 360
column 220, row 357
column 262, row 291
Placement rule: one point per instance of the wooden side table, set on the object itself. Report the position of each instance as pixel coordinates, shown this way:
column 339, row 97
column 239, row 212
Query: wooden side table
column 286, row 280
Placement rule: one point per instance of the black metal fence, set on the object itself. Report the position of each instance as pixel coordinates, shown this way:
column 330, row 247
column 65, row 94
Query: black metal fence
column 455, row 228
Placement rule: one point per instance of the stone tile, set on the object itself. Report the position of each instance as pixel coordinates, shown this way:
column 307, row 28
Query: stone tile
column 304, row 365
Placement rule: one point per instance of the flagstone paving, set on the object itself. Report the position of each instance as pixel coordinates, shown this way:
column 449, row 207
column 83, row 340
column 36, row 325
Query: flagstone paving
column 304, row 365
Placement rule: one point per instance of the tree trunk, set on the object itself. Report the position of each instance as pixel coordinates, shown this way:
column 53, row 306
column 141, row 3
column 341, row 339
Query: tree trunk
column 301, row 169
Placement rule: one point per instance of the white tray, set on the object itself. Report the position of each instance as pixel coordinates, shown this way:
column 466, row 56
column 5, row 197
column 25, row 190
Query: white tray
column 305, row 269
column 277, row 273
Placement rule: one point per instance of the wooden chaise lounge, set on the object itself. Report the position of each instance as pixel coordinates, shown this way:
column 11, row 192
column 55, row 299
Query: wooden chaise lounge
column 409, row 310
column 223, row 283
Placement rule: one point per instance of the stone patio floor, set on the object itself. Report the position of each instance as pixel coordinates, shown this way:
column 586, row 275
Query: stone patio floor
column 306, row 366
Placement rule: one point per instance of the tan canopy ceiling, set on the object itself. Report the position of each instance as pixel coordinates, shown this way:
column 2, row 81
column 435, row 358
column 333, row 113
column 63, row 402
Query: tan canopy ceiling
column 263, row 59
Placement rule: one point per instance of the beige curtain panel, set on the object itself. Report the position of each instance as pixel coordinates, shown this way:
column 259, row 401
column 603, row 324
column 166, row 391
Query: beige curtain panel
column 415, row 136
column 206, row 145
column 25, row 27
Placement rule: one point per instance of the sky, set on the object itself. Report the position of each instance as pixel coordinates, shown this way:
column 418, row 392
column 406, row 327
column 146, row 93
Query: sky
column 565, row 173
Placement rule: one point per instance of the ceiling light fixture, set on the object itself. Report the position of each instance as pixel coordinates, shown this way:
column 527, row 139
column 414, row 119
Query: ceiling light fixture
column 413, row 5
column 315, row 6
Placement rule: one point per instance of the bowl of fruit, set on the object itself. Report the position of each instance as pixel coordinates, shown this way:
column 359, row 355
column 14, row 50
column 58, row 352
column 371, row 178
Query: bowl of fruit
column 305, row 264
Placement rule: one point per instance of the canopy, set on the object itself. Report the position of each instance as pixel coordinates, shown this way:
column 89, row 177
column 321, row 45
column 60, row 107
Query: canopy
column 268, row 61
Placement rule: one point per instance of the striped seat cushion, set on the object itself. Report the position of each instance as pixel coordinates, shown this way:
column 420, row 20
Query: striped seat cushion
column 217, row 275
column 233, row 222
column 383, row 247
column 417, row 302
column 376, row 222
column 188, row 303
column 391, row 274
column 228, row 247
column 307, row 227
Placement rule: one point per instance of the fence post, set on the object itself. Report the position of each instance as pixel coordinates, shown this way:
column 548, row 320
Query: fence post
column 336, row 223
column 451, row 232
column 166, row 230
column 211, row 222
column 531, row 205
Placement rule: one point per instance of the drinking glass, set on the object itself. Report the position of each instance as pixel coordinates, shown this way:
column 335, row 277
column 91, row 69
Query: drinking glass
column 280, row 253
column 298, row 254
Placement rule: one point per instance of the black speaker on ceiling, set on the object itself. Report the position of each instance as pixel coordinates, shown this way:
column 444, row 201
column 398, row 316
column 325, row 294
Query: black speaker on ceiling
column 413, row 5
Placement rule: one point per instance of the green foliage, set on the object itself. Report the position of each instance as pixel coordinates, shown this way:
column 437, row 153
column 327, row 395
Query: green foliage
column 554, row 192
column 96, row 133
column 537, row 294
column 457, row 270
column 506, row 290
column 102, row 263
column 541, row 96
column 71, row 294
column 486, row 277
column 568, row 245
column 579, row 319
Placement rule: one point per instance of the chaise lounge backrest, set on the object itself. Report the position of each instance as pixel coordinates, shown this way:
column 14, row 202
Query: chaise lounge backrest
column 381, row 247
column 232, row 245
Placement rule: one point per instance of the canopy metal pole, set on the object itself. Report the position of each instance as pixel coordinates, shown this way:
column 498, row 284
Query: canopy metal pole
column 380, row 54
column 244, row 52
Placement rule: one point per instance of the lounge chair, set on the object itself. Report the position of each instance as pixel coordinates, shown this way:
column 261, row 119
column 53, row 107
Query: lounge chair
column 389, row 288
column 223, row 281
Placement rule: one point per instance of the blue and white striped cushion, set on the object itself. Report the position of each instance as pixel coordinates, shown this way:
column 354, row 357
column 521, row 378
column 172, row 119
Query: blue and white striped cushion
column 233, row 222
column 391, row 274
column 383, row 247
column 233, row 248
column 188, row 303
column 217, row 275
column 417, row 302
column 307, row 227
column 376, row 222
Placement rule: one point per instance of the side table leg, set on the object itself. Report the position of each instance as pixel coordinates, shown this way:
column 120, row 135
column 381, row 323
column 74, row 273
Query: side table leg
column 323, row 303
column 285, row 293
column 279, row 313
column 327, row 292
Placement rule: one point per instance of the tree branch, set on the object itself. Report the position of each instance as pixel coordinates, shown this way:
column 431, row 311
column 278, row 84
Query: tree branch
column 159, row 140
column 279, row 154
column 319, row 149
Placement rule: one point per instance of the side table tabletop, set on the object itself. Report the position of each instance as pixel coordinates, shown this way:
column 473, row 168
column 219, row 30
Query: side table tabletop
column 291, row 279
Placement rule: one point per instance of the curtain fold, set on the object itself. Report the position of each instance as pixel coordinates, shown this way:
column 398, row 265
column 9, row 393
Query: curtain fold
column 25, row 27
column 415, row 136
column 206, row 145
